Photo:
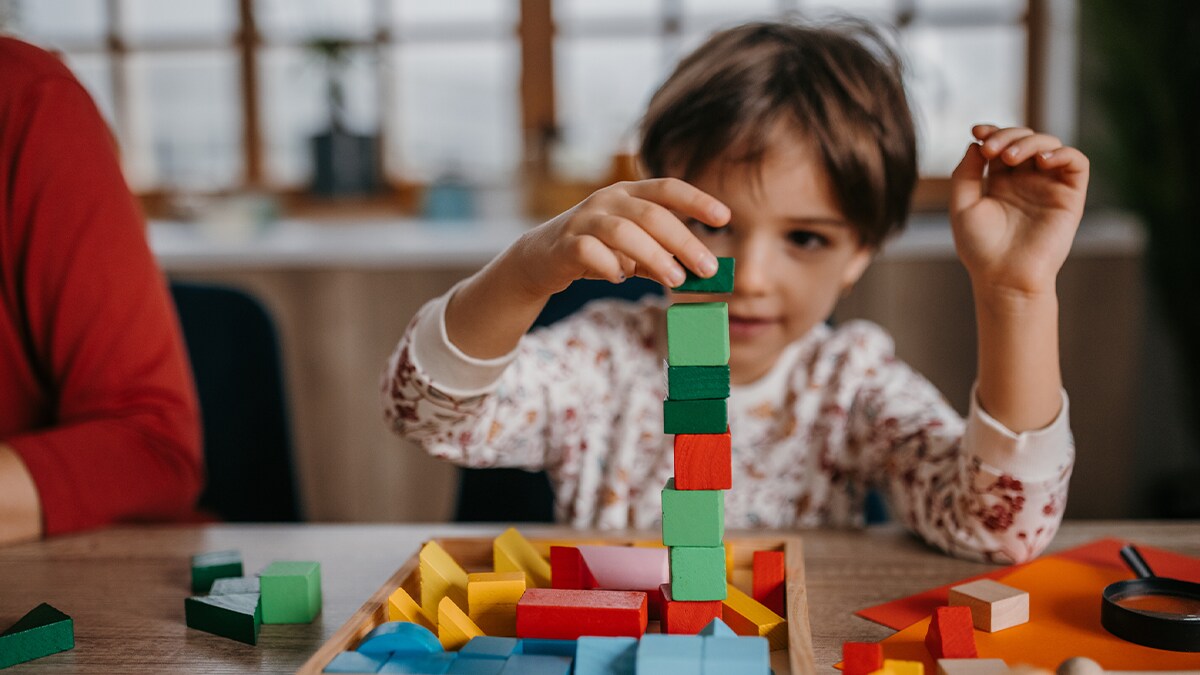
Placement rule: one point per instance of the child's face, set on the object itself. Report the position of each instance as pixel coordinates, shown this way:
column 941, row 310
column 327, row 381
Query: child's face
column 795, row 252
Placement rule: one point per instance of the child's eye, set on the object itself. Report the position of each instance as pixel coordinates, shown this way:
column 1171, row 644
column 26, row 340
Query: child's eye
column 705, row 230
column 806, row 239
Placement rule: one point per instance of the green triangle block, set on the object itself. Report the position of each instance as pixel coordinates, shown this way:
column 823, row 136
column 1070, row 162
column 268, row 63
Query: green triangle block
column 237, row 616
column 208, row 567
column 41, row 632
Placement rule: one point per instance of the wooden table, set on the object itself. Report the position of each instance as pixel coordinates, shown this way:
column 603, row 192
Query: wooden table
column 125, row 587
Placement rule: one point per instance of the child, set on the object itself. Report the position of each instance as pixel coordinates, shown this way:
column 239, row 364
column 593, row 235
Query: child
column 790, row 148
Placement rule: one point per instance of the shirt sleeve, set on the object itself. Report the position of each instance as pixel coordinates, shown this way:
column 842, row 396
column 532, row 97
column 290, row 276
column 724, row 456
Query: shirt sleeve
column 124, row 444
column 974, row 489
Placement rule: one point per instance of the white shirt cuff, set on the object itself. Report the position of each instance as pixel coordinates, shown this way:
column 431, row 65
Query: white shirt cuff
column 448, row 368
column 1029, row 455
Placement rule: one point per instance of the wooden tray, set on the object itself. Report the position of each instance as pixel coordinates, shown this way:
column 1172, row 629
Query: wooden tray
column 475, row 555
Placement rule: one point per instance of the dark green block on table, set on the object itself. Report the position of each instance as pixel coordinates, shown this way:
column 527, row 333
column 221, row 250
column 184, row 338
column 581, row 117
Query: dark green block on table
column 208, row 567
column 291, row 592
column 235, row 585
column 697, row 572
column 721, row 282
column 692, row 517
column 688, row 383
column 41, row 632
column 702, row 416
column 698, row 334
column 237, row 616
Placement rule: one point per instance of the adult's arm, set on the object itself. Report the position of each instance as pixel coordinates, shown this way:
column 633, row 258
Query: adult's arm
column 20, row 513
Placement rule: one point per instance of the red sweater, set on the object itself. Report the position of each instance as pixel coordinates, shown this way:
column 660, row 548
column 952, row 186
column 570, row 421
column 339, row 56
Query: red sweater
column 96, row 395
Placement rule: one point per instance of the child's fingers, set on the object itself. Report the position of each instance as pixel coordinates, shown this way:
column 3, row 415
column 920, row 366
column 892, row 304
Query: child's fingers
column 998, row 141
column 1028, row 146
column 670, row 233
column 682, row 197
column 627, row 237
column 600, row 259
column 1068, row 161
column 966, row 183
column 982, row 131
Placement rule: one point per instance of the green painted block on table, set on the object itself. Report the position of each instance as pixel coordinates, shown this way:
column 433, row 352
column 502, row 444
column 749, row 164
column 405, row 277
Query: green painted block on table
column 703, row 416
column 235, row 586
column 692, row 517
column 291, row 592
column 698, row 334
column 208, row 567
column 697, row 572
column 237, row 616
column 688, row 383
column 41, row 632
column 721, row 282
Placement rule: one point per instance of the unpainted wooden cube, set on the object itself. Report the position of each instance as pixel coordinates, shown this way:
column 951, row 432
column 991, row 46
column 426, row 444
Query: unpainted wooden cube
column 971, row 667
column 994, row 606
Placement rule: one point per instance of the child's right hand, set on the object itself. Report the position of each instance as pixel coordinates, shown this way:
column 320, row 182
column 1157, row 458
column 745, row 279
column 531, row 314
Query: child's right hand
column 619, row 231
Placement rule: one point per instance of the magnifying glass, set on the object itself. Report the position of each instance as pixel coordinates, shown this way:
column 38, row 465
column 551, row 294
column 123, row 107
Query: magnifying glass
column 1152, row 611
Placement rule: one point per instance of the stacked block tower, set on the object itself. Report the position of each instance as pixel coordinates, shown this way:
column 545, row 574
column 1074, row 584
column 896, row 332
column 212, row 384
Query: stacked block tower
column 696, row 411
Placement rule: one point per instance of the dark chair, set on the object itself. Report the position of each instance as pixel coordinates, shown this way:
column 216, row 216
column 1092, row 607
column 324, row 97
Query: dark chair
column 513, row 495
column 234, row 350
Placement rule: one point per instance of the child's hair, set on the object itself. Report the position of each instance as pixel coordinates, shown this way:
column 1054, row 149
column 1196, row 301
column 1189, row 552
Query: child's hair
column 840, row 84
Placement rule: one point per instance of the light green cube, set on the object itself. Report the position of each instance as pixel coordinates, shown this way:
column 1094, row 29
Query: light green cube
column 291, row 592
column 698, row 334
column 692, row 517
column 697, row 572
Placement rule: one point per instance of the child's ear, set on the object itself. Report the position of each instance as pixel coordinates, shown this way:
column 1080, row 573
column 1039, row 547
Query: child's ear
column 858, row 264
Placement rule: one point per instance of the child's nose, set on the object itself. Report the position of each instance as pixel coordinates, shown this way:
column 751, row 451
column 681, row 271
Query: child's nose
column 752, row 273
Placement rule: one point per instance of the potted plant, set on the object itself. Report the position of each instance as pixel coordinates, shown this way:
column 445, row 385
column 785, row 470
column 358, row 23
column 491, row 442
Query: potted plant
column 345, row 163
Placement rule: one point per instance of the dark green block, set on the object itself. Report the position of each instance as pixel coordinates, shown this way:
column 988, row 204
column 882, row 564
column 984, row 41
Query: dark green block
column 291, row 592
column 697, row 572
column 237, row 616
column 721, row 282
column 692, row 517
column 208, row 567
column 235, row 586
column 41, row 632
column 688, row 383
column 701, row 416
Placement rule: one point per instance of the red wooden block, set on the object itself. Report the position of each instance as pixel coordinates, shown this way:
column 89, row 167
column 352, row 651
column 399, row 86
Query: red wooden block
column 951, row 634
column 656, row 604
column 568, row 569
column 703, row 461
column 861, row 658
column 564, row 614
column 684, row 617
column 768, row 582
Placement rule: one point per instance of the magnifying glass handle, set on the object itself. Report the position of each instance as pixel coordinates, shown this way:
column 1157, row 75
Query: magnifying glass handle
column 1134, row 560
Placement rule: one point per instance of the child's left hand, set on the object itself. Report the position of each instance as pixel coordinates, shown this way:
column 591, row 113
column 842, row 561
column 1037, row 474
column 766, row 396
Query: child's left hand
column 1014, row 227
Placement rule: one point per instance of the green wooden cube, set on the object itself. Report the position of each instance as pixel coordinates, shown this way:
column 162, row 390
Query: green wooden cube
column 721, row 282
column 41, row 632
column 291, row 592
column 698, row 334
column 208, row 567
column 697, row 572
column 692, row 517
column 703, row 416
column 237, row 616
column 688, row 383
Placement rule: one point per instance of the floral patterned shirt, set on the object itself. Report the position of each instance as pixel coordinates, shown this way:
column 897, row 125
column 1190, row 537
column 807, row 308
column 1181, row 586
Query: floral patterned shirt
column 838, row 414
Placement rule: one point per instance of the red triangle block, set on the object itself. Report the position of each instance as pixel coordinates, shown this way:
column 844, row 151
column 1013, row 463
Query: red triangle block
column 951, row 634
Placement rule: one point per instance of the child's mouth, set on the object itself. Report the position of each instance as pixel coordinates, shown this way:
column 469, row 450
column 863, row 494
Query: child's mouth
column 743, row 327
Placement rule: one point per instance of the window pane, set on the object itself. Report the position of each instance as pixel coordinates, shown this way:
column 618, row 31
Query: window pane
column 295, row 104
column 881, row 10
column 499, row 15
column 48, row 21
column 306, row 19
column 706, row 16
column 997, row 10
column 93, row 72
column 185, row 127
column 961, row 77
column 579, row 13
column 456, row 108
column 155, row 20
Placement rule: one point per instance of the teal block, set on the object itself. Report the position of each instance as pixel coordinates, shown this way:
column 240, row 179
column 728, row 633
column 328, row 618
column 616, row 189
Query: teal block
column 420, row 664
column 537, row 664
column 291, row 592
column 235, row 586
column 606, row 656
column 41, row 632
column 208, row 567
column 488, row 647
column 355, row 662
column 698, row 334
column 737, row 656
column 697, row 572
column 721, row 282
column 548, row 647
column 467, row 665
column 236, row 616
column 704, row 416
column 399, row 637
column 658, row 653
column 692, row 517
column 687, row 383
column 718, row 629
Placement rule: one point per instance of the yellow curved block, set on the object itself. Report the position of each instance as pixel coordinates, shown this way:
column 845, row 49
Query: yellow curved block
column 401, row 607
column 512, row 552
column 455, row 628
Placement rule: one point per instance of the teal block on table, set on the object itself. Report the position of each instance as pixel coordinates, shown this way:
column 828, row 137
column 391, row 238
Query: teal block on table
column 718, row 629
column 721, row 282
column 399, row 637
column 548, row 647
column 355, row 662
column 606, row 656
column 41, row 632
column 698, row 334
column 697, row 572
column 537, row 664
column 687, row 383
column 737, row 656
column 291, row 592
column 658, row 653
column 236, row 616
column 235, row 586
column 420, row 664
column 488, row 647
column 704, row 416
column 208, row 567
column 692, row 517
column 468, row 665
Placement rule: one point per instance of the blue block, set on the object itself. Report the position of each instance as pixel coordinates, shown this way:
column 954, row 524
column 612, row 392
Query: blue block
column 542, row 646
column 658, row 653
column 487, row 647
column 740, row 656
column 400, row 637
column 355, row 662
column 537, row 664
column 474, row 665
column 606, row 656
column 717, row 628
column 420, row 664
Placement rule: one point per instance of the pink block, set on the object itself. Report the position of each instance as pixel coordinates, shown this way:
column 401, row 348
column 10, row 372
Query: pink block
column 627, row 568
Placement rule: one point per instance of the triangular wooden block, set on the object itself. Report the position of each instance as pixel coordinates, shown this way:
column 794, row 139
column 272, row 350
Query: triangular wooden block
column 402, row 607
column 511, row 552
column 41, row 632
column 455, row 628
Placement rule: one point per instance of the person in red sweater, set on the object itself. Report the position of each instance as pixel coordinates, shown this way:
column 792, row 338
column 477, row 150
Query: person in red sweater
column 98, row 415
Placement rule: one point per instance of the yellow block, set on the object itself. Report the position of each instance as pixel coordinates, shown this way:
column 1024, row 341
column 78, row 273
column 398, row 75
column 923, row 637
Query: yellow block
column 498, row 621
column 512, row 552
column 894, row 667
column 401, row 607
column 441, row 577
column 747, row 616
column 455, row 628
column 488, row 589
